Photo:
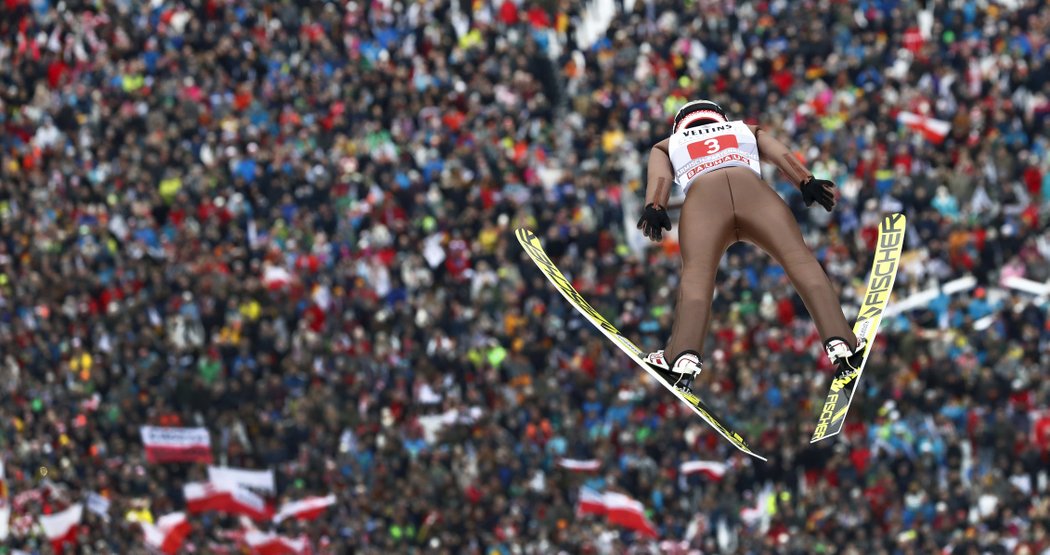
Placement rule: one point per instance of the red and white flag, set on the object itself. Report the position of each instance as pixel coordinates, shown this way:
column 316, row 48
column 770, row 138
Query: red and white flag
column 61, row 528
column 5, row 506
column 168, row 533
column 229, row 477
column 590, row 502
column 627, row 512
column 304, row 509
column 589, row 465
column 204, row 497
column 250, row 504
column 712, row 469
column 935, row 130
column 268, row 543
column 176, row 444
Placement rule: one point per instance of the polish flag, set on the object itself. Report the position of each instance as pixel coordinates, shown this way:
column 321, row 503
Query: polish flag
column 5, row 505
column 711, row 469
column 176, row 444
column 627, row 512
column 61, row 528
column 204, row 497
column 935, row 130
column 268, row 543
column 304, row 509
column 248, row 503
column 590, row 503
column 168, row 533
column 589, row 465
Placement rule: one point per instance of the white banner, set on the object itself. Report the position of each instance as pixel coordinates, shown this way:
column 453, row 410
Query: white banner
column 225, row 476
column 98, row 505
column 268, row 542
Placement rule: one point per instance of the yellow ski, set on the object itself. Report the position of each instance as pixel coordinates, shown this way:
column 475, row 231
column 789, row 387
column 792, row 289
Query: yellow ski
column 532, row 246
column 880, row 284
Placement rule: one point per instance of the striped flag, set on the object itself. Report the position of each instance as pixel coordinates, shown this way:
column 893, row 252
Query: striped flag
column 204, row 497
column 712, row 469
column 628, row 512
column 304, row 509
column 5, row 505
column 61, row 528
column 590, row 502
column 168, row 533
column 618, row 508
column 165, row 445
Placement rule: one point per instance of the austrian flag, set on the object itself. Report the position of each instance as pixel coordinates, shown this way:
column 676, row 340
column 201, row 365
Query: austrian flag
column 165, row 445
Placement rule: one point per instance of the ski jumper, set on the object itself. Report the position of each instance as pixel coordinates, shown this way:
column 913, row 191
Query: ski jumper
column 717, row 165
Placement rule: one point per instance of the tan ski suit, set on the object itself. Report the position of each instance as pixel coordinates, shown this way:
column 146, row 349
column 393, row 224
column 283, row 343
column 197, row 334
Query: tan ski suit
column 734, row 204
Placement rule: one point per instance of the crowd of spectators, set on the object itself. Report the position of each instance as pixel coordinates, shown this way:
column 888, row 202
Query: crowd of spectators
column 292, row 223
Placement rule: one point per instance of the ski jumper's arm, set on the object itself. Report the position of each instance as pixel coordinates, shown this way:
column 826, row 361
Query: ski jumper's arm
column 660, row 176
column 777, row 153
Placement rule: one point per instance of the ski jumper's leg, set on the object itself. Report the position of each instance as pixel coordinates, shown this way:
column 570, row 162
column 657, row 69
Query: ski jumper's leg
column 706, row 228
column 766, row 221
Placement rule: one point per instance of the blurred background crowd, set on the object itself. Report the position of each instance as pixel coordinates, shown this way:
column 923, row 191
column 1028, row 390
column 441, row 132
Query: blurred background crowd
column 291, row 223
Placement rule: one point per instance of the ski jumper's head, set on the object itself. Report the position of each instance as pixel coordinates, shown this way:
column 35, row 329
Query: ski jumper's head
column 698, row 112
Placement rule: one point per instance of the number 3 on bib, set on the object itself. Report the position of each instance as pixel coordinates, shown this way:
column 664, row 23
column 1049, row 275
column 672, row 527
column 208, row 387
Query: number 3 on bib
column 707, row 147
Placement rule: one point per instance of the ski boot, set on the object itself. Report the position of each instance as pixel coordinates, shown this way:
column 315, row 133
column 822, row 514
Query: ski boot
column 848, row 360
column 680, row 374
column 656, row 361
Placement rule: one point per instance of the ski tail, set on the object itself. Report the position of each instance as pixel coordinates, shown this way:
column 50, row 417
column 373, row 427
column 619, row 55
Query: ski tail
column 888, row 249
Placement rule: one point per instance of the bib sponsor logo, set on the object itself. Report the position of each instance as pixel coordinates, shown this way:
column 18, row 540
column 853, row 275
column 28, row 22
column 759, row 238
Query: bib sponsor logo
column 709, row 128
column 729, row 157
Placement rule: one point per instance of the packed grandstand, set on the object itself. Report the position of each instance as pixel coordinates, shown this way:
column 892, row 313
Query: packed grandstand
column 256, row 257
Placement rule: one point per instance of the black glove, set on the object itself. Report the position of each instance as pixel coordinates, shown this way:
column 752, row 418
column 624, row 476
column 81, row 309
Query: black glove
column 820, row 190
column 653, row 221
